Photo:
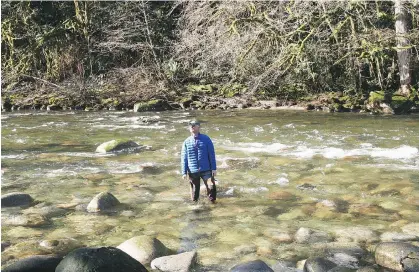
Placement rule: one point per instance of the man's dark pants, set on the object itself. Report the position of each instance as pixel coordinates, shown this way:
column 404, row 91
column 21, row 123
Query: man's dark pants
column 195, row 181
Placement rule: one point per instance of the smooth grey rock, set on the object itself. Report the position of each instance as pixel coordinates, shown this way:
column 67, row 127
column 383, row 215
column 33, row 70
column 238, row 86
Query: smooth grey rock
column 308, row 236
column 175, row 263
column 4, row 245
column 144, row 249
column 102, row 259
column 102, row 202
column 252, row 266
column 36, row 263
column 397, row 256
column 345, row 260
column 16, row 199
column 318, row 265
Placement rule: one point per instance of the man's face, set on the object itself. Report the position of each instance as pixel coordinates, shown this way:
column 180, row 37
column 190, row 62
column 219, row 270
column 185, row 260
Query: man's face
column 194, row 129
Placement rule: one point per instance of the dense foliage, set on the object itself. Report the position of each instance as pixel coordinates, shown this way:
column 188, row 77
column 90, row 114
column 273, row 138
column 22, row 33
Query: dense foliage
column 285, row 49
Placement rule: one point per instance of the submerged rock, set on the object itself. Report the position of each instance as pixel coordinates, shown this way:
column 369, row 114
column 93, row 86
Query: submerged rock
column 398, row 237
column 256, row 265
column 318, row 265
column 16, row 199
column 180, row 263
column 144, row 249
column 102, row 202
column 116, row 145
column 28, row 220
column 34, row 264
column 356, row 234
column 397, row 256
column 308, row 236
column 60, row 246
column 101, row 259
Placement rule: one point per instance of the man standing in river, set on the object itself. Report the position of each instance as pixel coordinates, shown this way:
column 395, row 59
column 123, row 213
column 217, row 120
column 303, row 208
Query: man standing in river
column 198, row 161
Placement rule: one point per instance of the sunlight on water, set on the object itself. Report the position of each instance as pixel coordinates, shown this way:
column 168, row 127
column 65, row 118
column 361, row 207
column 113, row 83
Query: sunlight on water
column 277, row 172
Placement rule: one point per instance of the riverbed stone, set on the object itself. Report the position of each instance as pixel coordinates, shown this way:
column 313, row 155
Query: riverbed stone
column 356, row 234
column 182, row 262
column 345, row 260
column 38, row 263
column 115, row 146
column 256, row 265
column 411, row 228
column 46, row 211
column 102, row 259
column 16, row 199
column 308, row 236
column 245, row 249
column 60, row 247
column 102, row 202
column 144, row 249
column 398, row 237
column 26, row 220
column 397, row 256
column 318, row 264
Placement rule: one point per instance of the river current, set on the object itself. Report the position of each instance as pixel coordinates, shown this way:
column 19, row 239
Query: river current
column 278, row 171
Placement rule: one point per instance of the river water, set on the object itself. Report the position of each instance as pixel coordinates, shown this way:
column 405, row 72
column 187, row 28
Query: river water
column 277, row 171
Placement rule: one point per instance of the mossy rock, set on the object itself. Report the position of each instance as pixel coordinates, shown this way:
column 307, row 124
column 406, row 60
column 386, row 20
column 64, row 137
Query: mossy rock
column 116, row 145
column 232, row 90
column 201, row 89
column 152, row 105
column 399, row 103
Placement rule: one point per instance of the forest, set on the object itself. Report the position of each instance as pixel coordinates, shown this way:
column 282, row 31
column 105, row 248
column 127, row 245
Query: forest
column 154, row 55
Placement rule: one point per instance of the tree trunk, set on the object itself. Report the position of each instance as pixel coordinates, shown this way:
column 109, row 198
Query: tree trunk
column 403, row 46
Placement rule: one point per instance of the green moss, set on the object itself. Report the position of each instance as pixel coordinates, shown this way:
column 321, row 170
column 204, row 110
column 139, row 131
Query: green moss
column 149, row 106
column 231, row 90
column 376, row 96
column 200, row 89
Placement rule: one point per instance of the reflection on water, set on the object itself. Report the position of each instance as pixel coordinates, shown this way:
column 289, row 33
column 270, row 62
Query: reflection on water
column 278, row 171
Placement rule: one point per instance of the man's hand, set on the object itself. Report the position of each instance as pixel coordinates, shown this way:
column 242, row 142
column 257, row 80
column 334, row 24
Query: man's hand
column 184, row 176
column 214, row 173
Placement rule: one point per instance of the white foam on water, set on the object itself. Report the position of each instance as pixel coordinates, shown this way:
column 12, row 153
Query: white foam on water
column 86, row 154
column 282, row 181
column 302, row 151
column 257, row 147
column 253, row 190
column 402, row 152
column 258, row 129
column 14, row 156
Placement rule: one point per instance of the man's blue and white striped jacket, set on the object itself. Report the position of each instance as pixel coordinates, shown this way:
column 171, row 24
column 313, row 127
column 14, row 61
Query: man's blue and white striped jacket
column 198, row 154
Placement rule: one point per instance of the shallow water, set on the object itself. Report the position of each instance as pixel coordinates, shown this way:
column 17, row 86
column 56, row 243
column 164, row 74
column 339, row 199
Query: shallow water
column 277, row 171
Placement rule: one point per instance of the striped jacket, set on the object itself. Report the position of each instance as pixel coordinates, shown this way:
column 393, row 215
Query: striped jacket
column 197, row 155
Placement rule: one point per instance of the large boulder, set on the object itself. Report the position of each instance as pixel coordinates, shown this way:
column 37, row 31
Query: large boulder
column 399, row 104
column 102, row 202
column 102, row 259
column 308, row 236
column 182, row 262
column 251, row 266
column 116, row 145
column 397, row 256
column 34, row 264
column 144, row 249
column 16, row 199
column 318, row 265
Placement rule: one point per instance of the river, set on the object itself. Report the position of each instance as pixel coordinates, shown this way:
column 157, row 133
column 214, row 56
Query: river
column 277, row 171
